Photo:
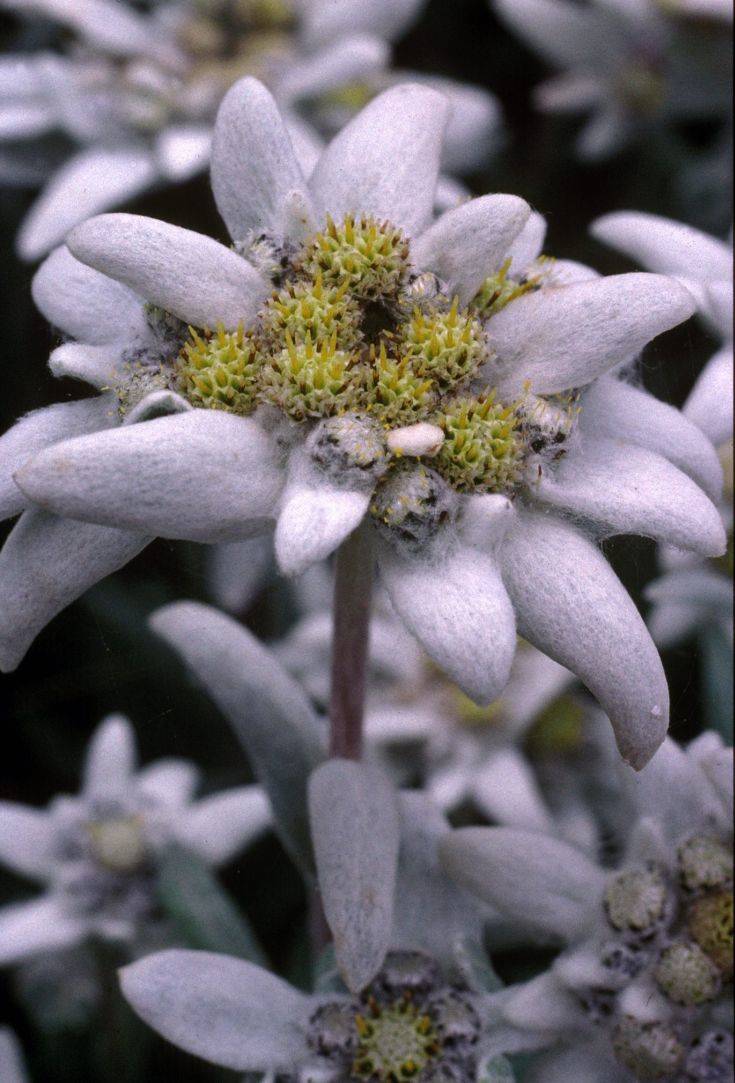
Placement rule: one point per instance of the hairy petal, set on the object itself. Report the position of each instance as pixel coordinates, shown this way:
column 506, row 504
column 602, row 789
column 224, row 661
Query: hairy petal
column 467, row 244
column 26, row 840
column 218, row 827
column 710, row 402
column 201, row 475
column 543, row 882
column 385, row 161
column 45, row 565
column 459, row 611
column 617, row 410
column 111, row 759
column 31, row 928
column 571, row 605
column 624, row 489
column 225, row 1010
column 663, row 245
column 563, row 337
column 186, row 273
column 94, row 180
column 254, row 167
column 83, row 303
column 41, row 428
column 355, row 831
column 268, row 710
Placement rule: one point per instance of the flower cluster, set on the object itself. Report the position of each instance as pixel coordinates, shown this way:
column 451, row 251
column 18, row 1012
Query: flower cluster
column 641, row 990
column 372, row 385
column 488, row 863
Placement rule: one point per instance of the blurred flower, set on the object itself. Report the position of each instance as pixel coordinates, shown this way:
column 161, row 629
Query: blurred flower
column 416, row 376
column 97, row 854
column 641, row 989
column 136, row 93
column 635, row 65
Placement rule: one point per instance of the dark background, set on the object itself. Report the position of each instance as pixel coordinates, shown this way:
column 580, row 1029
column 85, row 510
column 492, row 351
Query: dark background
column 98, row 657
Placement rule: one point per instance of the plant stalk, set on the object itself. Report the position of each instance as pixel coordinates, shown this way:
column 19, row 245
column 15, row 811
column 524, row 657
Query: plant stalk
column 350, row 640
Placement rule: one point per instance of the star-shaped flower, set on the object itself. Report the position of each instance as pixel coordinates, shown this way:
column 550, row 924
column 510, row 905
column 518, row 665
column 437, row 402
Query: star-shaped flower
column 351, row 361
column 412, row 997
column 97, row 854
column 641, row 989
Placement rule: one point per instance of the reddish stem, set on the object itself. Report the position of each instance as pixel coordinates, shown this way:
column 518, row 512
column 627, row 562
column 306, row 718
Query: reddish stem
column 350, row 640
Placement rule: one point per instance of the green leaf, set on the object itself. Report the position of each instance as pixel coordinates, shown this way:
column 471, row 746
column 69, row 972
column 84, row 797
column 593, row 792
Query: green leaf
column 202, row 913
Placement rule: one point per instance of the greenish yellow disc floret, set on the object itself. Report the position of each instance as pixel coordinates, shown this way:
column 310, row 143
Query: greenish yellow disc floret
column 219, row 371
column 710, row 923
column 446, row 346
column 371, row 257
column 352, row 96
column 394, row 1043
column 500, row 289
column 686, row 975
column 482, row 447
column 310, row 379
column 347, row 333
column 636, row 899
column 649, row 1050
column 118, row 844
column 309, row 308
column 704, row 862
column 264, row 14
column 395, row 393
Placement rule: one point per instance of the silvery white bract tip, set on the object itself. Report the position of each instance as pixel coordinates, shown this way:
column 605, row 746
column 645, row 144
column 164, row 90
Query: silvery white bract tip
column 280, row 408
column 642, row 983
column 96, row 854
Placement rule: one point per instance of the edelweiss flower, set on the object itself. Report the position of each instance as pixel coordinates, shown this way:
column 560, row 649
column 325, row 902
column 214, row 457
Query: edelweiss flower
column 413, row 999
column 350, row 361
column 97, row 853
column 634, row 64
column 137, row 93
column 641, row 990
